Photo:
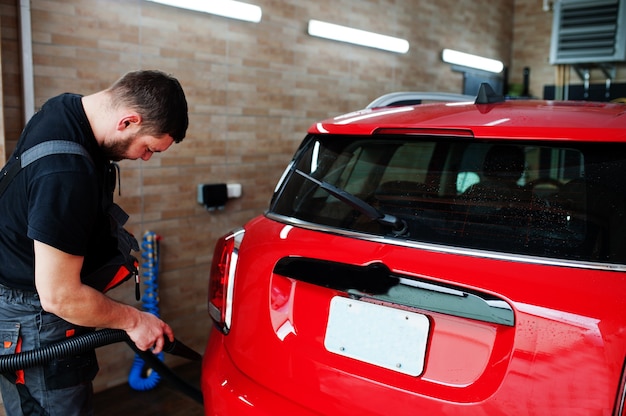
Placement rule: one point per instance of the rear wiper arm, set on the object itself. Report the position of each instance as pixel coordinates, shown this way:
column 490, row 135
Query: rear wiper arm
column 398, row 226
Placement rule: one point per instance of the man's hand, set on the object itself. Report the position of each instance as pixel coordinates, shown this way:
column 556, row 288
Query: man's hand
column 149, row 333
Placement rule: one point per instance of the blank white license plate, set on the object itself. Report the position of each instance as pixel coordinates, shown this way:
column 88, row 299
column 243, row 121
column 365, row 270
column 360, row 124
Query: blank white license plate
column 379, row 335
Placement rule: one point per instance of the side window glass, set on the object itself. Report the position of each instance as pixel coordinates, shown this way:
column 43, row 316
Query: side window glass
column 493, row 165
column 466, row 179
column 357, row 175
column 410, row 162
column 552, row 201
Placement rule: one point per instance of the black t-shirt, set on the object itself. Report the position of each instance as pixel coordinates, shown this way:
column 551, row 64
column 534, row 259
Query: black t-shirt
column 57, row 199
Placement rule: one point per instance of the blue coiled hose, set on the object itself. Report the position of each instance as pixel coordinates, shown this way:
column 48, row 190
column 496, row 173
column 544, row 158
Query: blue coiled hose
column 141, row 377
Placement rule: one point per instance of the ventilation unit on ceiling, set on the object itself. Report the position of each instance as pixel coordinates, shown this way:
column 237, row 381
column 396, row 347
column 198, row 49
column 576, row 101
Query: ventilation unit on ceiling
column 588, row 32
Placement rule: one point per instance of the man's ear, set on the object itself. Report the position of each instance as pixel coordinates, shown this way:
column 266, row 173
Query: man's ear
column 128, row 120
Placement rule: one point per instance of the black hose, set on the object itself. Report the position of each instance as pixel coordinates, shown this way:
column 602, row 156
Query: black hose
column 62, row 349
column 83, row 343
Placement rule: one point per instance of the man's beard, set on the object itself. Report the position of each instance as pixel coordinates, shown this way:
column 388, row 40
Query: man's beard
column 117, row 151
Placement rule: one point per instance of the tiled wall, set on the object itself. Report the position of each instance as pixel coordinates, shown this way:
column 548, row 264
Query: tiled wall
column 253, row 90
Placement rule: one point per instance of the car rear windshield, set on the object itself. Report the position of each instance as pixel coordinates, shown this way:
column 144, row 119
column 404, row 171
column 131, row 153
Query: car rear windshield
column 564, row 200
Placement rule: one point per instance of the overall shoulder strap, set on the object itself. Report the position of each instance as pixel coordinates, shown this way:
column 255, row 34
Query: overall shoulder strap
column 51, row 147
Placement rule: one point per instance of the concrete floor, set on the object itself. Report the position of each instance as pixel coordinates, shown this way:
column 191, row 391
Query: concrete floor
column 163, row 400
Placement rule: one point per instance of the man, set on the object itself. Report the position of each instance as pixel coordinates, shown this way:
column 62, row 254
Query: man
column 54, row 232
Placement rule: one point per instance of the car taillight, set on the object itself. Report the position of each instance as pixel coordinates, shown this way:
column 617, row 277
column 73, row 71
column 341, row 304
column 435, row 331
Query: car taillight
column 221, row 279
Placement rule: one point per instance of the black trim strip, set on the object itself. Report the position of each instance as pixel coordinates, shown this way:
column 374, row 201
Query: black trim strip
column 376, row 281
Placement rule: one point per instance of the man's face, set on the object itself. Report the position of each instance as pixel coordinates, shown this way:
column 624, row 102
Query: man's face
column 136, row 146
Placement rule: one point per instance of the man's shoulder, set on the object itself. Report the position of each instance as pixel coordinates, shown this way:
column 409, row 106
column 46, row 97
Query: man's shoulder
column 61, row 118
column 66, row 98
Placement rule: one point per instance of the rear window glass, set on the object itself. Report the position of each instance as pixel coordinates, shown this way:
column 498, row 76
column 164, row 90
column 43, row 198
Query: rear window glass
column 561, row 200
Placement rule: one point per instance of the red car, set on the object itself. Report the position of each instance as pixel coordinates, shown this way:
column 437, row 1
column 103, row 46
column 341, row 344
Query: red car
column 464, row 258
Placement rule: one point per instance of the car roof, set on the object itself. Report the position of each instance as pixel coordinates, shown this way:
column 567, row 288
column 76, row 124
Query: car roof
column 518, row 119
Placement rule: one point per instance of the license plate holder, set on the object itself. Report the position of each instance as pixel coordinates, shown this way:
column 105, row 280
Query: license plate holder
column 392, row 338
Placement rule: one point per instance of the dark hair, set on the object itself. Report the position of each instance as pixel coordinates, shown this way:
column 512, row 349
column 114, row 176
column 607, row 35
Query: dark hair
column 158, row 98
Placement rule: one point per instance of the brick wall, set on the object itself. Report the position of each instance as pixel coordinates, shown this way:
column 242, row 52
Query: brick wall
column 253, row 90
column 11, row 72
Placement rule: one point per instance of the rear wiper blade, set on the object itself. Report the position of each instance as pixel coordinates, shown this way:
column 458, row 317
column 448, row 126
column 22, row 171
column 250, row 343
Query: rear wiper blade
column 398, row 226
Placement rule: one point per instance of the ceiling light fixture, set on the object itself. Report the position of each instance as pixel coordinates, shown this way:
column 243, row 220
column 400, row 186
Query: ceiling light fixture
column 225, row 8
column 471, row 61
column 357, row 37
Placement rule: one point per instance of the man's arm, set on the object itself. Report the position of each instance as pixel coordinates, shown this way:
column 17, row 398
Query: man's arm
column 57, row 278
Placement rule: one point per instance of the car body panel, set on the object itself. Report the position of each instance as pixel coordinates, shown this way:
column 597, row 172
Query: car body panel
column 487, row 364
column 505, row 333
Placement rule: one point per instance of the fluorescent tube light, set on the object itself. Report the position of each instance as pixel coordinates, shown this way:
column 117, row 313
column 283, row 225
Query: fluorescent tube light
column 472, row 61
column 356, row 36
column 225, row 8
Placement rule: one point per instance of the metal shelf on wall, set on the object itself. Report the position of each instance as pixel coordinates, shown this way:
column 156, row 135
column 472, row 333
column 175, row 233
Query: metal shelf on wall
column 584, row 73
column 564, row 89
